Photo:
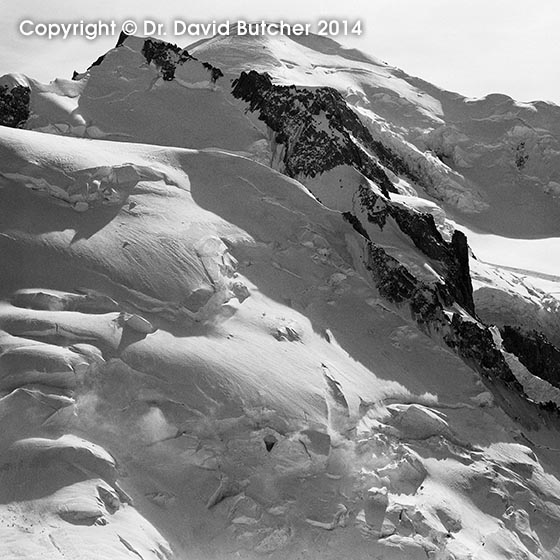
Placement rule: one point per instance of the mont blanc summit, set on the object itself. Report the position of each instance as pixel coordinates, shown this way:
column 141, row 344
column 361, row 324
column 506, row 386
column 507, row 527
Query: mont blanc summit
column 269, row 297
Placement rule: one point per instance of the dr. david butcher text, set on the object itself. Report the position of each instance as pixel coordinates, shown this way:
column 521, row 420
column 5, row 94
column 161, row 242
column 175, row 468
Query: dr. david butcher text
column 240, row 27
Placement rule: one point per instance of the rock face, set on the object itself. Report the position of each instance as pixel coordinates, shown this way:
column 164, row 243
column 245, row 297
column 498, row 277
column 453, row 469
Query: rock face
column 395, row 282
column 451, row 258
column 470, row 339
column 534, row 351
column 318, row 132
column 475, row 344
column 316, row 128
column 14, row 106
column 167, row 57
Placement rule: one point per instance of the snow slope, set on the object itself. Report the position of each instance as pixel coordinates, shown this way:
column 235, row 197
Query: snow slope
column 487, row 146
column 469, row 152
column 200, row 356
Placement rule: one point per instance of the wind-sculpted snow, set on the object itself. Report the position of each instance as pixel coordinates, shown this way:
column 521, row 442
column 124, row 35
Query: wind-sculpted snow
column 524, row 299
column 510, row 148
column 203, row 357
column 68, row 484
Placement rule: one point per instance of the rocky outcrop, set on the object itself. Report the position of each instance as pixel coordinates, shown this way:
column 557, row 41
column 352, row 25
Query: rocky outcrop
column 534, row 351
column 450, row 259
column 14, row 106
column 375, row 206
column 355, row 223
column 395, row 283
column 475, row 344
column 317, row 130
column 215, row 73
column 167, row 57
column 472, row 341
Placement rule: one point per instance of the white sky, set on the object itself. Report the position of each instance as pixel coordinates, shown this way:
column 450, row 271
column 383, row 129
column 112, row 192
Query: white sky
column 474, row 47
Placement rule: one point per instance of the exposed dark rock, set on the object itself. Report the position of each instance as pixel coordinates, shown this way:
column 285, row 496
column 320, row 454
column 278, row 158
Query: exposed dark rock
column 521, row 156
column 393, row 280
column 215, row 73
column 472, row 341
column 14, row 106
column 451, row 259
column 534, row 351
column 122, row 38
column 475, row 344
column 98, row 61
column 460, row 270
column 269, row 442
column 376, row 207
column 551, row 408
column 296, row 115
column 167, row 57
column 421, row 228
column 355, row 223
column 397, row 284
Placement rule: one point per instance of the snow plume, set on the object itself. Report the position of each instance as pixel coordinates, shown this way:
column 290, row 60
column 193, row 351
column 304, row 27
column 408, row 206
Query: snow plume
column 154, row 427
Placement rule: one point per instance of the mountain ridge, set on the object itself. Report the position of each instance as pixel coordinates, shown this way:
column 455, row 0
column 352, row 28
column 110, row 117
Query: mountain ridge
column 222, row 352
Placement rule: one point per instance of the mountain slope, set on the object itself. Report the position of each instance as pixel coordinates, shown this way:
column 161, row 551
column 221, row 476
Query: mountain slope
column 236, row 321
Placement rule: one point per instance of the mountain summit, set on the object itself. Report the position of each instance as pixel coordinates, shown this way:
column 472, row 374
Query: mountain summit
column 270, row 297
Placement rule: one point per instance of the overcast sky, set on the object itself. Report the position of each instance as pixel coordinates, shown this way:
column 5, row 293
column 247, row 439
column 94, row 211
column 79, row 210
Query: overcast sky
column 474, row 47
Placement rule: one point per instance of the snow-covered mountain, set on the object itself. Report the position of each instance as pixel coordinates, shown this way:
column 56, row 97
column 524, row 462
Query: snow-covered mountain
column 270, row 297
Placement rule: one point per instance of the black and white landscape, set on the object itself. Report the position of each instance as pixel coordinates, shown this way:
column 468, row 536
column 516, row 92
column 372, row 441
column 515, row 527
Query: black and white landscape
column 268, row 297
